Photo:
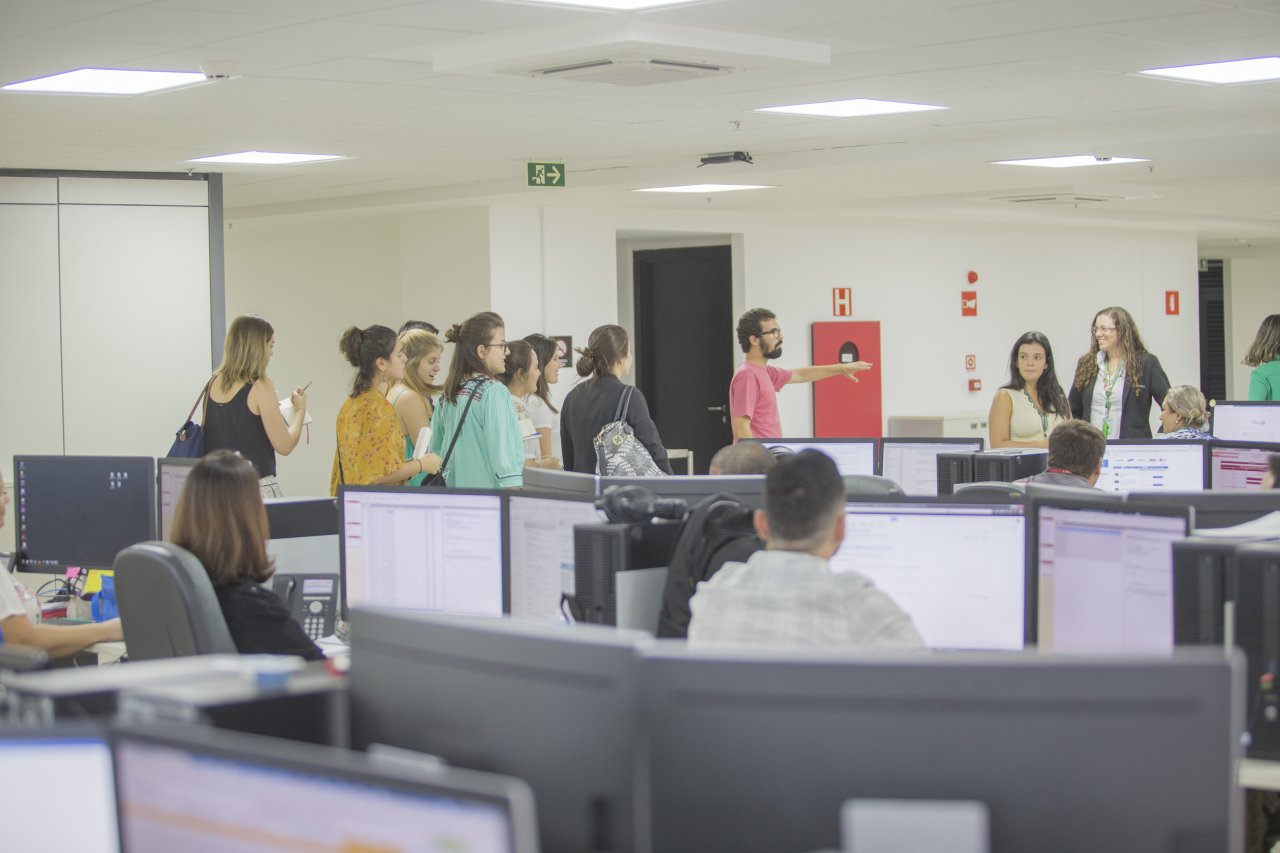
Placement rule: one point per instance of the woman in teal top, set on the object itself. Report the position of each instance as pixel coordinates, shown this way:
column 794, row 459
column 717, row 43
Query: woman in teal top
column 489, row 452
column 1264, row 358
column 411, row 395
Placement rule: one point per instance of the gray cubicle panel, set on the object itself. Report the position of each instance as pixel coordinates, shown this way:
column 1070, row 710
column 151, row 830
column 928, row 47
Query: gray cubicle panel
column 304, row 535
column 747, row 488
column 561, row 482
column 756, row 751
column 1213, row 509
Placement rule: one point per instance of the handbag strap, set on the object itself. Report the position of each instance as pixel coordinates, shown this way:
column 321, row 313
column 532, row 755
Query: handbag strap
column 624, row 403
column 203, row 393
column 471, row 398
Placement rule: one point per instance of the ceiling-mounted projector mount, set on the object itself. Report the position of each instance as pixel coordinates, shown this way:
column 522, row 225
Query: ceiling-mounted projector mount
column 725, row 157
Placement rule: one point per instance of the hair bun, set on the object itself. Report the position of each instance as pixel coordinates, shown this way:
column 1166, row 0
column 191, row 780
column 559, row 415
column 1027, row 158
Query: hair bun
column 453, row 334
column 349, row 344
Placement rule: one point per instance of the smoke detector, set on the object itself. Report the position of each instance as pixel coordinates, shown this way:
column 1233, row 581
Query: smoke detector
column 622, row 52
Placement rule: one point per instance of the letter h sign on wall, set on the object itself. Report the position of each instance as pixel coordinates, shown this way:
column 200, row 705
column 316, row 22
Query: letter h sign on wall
column 842, row 301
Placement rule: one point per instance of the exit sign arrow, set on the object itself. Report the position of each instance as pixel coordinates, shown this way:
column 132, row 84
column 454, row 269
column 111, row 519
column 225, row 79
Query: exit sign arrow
column 545, row 174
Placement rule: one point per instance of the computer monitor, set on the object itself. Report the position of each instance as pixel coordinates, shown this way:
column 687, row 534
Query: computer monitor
column 204, row 790
column 1254, row 584
column 82, row 510
column 913, row 462
column 852, row 455
column 756, row 752
column 548, row 481
column 64, row 762
column 1144, row 464
column 747, row 488
column 1212, row 509
column 958, row 570
column 540, row 550
column 557, row 706
column 171, row 475
column 1239, row 466
column 1104, row 575
column 423, row 549
column 1240, row 420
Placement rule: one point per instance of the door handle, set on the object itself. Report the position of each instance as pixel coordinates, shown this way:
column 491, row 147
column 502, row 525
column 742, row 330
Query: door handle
column 720, row 409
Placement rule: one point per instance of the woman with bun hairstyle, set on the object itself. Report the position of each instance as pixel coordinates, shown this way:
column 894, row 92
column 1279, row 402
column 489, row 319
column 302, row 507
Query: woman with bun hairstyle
column 1184, row 414
column 1117, row 381
column 241, row 412
column 1264, row 357
column 543, row 413
column 411, row 396
column 476, row 408
column 1031, row 404
column 370, row 446
column 592, row 404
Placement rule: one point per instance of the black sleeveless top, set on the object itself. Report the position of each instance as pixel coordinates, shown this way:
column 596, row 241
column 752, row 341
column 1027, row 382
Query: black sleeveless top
column 231, row 426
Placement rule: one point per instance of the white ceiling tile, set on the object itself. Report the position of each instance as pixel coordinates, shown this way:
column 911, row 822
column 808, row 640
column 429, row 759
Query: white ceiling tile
column 1201, row 27
column 1078, row 13
column 469, row 16
column 35, row 56
column 169, row 27
column 339, row 39
column 354, row 70
column 19, row 19
column 763, row 14
column 302, row 9
column 924, row 27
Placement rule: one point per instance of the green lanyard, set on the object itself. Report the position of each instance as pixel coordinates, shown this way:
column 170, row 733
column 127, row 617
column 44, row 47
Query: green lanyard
column 1108, row 385
column 1044, row 417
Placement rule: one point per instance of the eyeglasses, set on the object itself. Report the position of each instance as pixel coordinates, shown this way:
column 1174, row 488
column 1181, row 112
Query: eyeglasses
column 764, row 332
column 502, row 344
column 1106, row 329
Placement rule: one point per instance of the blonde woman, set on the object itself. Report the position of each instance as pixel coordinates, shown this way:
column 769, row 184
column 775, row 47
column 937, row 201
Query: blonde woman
column 241, row 411
column 1264, row 357
column 411, row 395
column 1184, row 414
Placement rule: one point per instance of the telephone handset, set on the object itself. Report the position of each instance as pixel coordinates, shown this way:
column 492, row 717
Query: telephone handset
column 313, row 600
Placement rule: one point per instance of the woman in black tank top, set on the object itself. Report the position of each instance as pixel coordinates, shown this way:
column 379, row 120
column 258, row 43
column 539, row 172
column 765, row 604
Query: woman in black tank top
column 241, row 412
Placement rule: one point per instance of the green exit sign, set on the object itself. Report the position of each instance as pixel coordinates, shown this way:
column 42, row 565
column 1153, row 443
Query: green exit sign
column 546, row 174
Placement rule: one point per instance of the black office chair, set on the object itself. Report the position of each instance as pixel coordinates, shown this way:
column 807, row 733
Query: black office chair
column 870, row 484
column 989, row 490
column 167, row 605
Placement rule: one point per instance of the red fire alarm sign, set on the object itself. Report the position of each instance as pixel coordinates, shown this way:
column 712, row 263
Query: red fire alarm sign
column 968, row 303
column 975, row 384
column 842, row 301
column 1171, row 302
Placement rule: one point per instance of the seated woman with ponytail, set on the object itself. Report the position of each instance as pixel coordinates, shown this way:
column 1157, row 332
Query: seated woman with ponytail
column 590, row 405
column 370, row 445
column 475, row 427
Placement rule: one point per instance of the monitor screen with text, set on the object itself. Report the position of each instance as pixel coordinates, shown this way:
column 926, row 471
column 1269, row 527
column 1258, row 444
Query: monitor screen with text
column 1154, row 465
column 1257, row 421
column 914, row 464
column 172, row 476
column 852, row 456
column 540, row 537
column 422, row 549
column 1105, row 580
column 1239, row 469
column 959, row 571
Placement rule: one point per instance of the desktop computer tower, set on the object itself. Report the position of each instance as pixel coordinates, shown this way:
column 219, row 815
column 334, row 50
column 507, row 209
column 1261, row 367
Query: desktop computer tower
column 601, row 551
column 954, row 469
column 1256, row 582
column 1008, row 464
column 1201, row 581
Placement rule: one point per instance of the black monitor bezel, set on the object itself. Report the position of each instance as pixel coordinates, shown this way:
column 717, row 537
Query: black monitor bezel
column 503, row 527
column 1213, row 409
column 1104, row 503
column 1170, row 442
column 1214, row 444
column 151, row 481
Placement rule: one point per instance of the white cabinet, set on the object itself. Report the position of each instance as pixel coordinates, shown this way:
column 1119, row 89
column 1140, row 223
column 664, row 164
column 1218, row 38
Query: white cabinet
column 958, row 425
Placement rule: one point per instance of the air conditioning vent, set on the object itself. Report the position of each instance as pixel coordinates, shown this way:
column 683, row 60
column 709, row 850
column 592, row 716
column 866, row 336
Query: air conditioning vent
column 631, row 72
column 1058, row 198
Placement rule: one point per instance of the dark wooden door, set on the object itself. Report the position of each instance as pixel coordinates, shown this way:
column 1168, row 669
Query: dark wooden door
column 684, row 330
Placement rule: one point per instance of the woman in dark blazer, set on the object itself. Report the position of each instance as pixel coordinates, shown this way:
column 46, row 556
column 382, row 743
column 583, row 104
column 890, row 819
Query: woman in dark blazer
column 1118, row 381
column 591, row 404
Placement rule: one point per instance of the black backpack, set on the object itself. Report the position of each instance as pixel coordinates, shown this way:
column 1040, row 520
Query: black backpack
column 718, row 530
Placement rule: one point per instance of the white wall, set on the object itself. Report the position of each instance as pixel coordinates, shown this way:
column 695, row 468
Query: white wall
column 1252, row 292
column 312, row 280
column 444, row 266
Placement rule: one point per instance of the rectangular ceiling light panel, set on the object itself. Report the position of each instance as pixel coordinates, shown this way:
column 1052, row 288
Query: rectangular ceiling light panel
column 108, row 81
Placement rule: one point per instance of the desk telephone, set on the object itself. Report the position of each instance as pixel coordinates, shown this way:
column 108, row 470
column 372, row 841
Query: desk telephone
column 313, row 600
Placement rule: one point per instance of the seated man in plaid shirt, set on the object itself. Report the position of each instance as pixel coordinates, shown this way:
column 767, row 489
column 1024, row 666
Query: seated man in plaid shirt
column 787, row 593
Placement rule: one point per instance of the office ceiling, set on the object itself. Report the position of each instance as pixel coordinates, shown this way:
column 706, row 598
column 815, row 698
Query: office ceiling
column 1021, row 78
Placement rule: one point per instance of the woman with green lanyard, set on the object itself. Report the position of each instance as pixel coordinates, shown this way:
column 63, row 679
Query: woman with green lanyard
column 1118, row 381
column 1031, row 404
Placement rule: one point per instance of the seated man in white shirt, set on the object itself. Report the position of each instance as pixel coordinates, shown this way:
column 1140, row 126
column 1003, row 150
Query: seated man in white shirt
column 787, row 593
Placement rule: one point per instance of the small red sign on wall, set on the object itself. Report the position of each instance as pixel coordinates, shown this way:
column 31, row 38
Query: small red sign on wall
column 842, row 301
column 1171, row 302
column 968, row 303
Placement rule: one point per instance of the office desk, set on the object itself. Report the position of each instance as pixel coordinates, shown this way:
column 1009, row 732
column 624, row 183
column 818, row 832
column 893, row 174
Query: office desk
column 1259, row 775
column 108, row 652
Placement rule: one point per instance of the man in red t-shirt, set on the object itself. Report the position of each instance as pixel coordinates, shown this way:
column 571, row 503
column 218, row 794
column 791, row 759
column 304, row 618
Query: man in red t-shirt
column 753, row 393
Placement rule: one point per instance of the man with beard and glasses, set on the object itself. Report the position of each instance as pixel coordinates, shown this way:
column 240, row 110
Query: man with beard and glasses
column 753, row 393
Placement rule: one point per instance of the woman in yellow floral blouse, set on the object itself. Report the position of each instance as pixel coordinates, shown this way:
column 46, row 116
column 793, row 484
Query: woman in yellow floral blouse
column 370, row 447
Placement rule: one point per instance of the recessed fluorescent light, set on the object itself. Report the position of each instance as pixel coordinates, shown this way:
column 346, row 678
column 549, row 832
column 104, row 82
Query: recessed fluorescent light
column 614, row 5
column 108, row 81
column 267, row 158
column 1069, row 162
column 705, row 188
column 1236, row 71
column 850, row 108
